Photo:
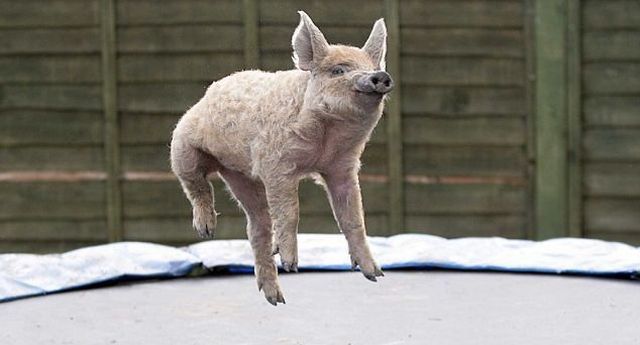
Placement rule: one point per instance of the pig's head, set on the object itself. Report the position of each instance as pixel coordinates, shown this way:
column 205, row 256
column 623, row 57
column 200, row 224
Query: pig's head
column 344, row 80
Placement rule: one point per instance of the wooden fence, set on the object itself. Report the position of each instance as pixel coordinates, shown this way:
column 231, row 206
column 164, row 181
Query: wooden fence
column 515, row 118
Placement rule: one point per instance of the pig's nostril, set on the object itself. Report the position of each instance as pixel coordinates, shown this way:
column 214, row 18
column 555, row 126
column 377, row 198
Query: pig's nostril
column 375, row 80
column 387, row 83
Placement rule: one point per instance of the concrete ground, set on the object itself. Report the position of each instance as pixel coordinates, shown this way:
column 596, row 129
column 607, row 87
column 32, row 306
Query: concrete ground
column 431, row 307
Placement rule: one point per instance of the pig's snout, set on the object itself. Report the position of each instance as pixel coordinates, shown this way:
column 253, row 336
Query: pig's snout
column 378, row 82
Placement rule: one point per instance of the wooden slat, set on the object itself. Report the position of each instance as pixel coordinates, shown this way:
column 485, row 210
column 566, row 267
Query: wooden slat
column 451, row 226
column 464, row 199
column 463, row 42
column 147, row 128
column 551, row 217
column 174, row 67
column 611, row 111
column 64, row 158
column 612, row 215
column 611, row 14
column 178, row 229
column 574, row 116
column 394, row 121
column 143, row 199
column 612, row 78
column 52, row 201
column 173, row 98
column 50, row 40
column 462, row 71
column 456, row 101
column 54, row 230
column 612, row 179
column 631, row 238
column 51, row 97
column 39, row 127
column 43, row 247
column 322, row 12
column 251, row 41
column 111, row 121
column 277, row 38
column 49, row 13
column 464, row 131
column 462, row 13
column 465, row 161
column 611, row 45
column 138, row 12
column 180, row 39
column 612, row 144
column 48, row 69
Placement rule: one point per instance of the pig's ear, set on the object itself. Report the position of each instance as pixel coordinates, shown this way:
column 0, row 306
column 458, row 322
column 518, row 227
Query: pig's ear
column 309, row 44
column 376, row 45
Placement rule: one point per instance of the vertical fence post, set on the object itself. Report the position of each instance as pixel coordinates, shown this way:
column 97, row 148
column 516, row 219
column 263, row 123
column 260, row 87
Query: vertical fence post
column 251, row 34
column 111, row 129
column 574, row 110
column 551, row 206
column 394, row 120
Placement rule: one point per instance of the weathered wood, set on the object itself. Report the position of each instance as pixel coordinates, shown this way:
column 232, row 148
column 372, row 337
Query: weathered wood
column 38, row 127
column 43, row 247
column 277, row 38
column 632, row 237
column 551, row 206
column 166, row 98
column 612, row 179
column 619, row 78
column 612, row 214
column 178, row 67
column 574, row 116
column 529, row 104
column 467, row 101
column 50, row 97
column 323, row 12
column 111, row 122
column 54, row 230
column 147, row 128
column 611, row 14
column 52, row 201
column 611, row 45
column 199, row 38
column 50, row 13
column 478, row 42
column 465, row 161
column 464, row 13
column 451, row 226
column 50, row 40
column 50, row 69
column 611, row 111
column 612, row 144
column 178, row 229
column 394, row 121
column 464, row 131
column 56, row 158
column 251, row 34
column 472, row 199
column 462, row 71
column 151, row 12
column 144, row 199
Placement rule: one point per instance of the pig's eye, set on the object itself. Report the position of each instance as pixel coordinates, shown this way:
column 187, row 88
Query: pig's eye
column 337, row 70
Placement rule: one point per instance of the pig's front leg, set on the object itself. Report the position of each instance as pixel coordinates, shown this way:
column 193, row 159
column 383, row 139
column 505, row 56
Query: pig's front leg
column 343, row 189
column 282, row 197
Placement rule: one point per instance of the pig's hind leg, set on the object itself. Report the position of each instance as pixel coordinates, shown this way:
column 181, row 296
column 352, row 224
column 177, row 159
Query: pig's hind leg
column 253, row 200
column 192, row 165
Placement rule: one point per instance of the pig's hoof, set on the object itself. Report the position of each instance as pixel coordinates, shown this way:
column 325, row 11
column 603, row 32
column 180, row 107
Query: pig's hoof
column 204, row 222
column 370, row 269
column 271, row 291
column 290, row 266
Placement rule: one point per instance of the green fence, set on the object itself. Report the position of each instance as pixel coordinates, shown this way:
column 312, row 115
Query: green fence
column 512, row 118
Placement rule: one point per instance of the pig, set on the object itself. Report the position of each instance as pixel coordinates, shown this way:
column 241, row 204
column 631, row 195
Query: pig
column 262, row 132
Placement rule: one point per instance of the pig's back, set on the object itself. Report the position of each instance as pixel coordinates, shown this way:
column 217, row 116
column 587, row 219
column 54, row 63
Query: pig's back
column 243, row 107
